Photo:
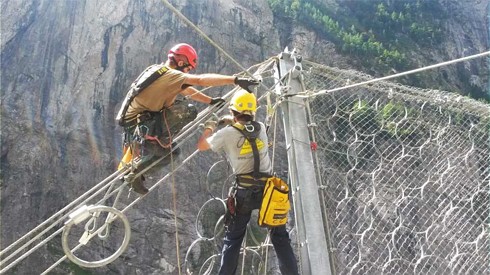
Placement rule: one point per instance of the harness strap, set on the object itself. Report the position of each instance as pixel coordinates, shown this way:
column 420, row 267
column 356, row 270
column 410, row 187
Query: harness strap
column 136, row 88
column 248, row 180
column 255, row 152
column 250, row 133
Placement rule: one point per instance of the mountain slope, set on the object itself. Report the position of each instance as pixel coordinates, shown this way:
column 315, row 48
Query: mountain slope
column 66, row 66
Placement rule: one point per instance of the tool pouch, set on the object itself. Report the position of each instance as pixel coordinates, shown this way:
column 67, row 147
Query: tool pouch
column 275, row 203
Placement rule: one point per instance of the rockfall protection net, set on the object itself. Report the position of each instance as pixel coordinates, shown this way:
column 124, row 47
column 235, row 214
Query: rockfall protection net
column 404, row 180
column 404, row 176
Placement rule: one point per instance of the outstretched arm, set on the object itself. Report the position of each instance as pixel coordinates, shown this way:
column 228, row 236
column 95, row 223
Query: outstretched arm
column 209, row 80
column 220, row 80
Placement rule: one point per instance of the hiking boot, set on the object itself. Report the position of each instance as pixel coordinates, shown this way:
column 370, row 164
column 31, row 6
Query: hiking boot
column 136, row 183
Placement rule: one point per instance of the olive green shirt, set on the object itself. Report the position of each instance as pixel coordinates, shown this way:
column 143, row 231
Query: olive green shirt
column 161, row 93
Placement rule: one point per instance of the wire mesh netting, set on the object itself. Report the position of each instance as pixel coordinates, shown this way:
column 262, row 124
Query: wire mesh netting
column 403, row 179
column 404, row 176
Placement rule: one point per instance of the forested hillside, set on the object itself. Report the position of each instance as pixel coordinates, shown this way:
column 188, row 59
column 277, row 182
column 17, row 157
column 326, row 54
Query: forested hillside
column 67, row 65
column 381, row 36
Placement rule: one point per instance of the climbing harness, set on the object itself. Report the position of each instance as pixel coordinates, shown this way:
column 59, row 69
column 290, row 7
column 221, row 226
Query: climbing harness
column 158, row 128
column 275, row 198
column 130, row 138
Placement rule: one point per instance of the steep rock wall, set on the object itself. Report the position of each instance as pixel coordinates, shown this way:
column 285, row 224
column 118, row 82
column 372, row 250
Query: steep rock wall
column 66, row 66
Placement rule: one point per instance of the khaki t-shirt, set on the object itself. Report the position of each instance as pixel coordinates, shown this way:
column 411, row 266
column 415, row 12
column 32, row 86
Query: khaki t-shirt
column 239, row 151
column 161, row 93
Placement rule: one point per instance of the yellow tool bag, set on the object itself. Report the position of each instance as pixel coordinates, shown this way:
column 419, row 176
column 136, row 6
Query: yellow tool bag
column 275, row 203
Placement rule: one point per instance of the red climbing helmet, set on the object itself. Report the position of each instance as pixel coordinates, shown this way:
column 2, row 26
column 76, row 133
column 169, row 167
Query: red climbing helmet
column 186, row 50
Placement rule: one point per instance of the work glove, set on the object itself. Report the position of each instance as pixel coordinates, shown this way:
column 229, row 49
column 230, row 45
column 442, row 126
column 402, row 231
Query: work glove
column 211, row 123
column 217, row 101
column 226, row 120
column 245, row 83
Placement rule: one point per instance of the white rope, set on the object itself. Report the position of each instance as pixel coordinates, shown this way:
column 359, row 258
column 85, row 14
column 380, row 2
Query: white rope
column 179, row 14
column 98, row 186
column 174, row 197
column 24, row 241
column 397, row 75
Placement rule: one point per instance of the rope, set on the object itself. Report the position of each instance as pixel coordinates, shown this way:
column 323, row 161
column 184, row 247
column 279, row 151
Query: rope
column 397, row 75
column 244, row 249
column 174, row 193
column 185, row 132
column 214, row 44
column 59, row 214
column 179, row 14
column 266, row 248
column 274, row 116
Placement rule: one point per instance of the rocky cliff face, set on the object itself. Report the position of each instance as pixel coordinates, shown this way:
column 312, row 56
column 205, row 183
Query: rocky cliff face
column 66, row 66
column 467, row 34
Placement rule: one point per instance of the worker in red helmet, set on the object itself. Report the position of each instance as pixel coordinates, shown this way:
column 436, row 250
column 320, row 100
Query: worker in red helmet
column 150, row 105
column 186, row 50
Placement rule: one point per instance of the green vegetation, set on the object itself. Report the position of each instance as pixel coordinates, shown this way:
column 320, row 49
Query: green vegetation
column 382, row 35
column 364, row 118
column 378, row 32
column 367, row 120
column 392, row 113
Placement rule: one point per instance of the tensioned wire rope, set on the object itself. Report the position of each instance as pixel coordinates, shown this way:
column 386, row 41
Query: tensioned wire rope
column 214, row 44
column 322, row 92
column 59, row 216
column 201, row 33
column 100, row 187
column 115, row 175
column 207, row 38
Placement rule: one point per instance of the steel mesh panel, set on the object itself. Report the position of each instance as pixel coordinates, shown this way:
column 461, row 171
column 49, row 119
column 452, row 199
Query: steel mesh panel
column 404, row 176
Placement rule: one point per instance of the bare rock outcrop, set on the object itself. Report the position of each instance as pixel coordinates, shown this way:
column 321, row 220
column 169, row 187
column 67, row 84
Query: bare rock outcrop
column 66, row 66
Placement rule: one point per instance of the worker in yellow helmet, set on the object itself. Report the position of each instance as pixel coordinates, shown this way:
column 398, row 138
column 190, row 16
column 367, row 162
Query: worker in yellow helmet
column 251, row 170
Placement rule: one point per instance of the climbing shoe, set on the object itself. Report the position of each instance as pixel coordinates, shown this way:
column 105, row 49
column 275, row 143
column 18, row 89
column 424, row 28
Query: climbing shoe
column 136, row 183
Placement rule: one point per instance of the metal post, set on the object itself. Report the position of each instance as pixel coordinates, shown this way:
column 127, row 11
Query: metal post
column 314, row 257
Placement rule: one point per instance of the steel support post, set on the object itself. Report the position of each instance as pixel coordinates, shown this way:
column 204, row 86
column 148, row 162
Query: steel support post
column 313, row 249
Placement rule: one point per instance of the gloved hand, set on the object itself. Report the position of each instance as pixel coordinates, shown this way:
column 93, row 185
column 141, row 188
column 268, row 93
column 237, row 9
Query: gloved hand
column 245, row 83
column 226, row 120
column 211, row 123
column 217, row 101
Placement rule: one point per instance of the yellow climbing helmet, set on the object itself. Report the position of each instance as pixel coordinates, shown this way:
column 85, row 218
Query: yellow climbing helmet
column 244, row 102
